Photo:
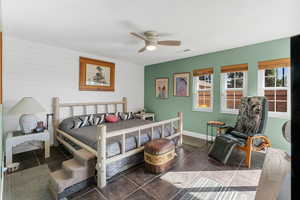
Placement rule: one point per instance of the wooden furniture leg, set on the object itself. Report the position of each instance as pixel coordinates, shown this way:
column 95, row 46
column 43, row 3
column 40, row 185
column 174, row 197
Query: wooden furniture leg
column 8, row 155
column 101, row 158
column 55, row 119
column 180, row 127
column 248, row 157
column 47, row 149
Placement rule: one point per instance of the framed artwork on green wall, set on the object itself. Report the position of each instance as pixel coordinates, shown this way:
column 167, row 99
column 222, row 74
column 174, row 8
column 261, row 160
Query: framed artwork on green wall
column 162, row 88
column 181, row 84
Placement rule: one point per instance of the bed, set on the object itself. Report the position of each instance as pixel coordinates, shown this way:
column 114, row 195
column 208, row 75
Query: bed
column 117, row 146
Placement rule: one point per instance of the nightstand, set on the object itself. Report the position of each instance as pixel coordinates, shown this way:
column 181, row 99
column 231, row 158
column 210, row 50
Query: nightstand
column 146, row 116
column 15, row 138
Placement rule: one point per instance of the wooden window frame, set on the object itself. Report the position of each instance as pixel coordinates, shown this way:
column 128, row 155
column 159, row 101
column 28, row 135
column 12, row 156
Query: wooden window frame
column 276, row 63
column 234, row 68
column 261, row 91
column 224, row 88
column 196, row 95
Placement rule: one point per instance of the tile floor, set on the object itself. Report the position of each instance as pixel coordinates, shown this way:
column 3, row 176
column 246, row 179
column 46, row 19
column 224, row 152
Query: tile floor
column 34, row 158
column 136, row 183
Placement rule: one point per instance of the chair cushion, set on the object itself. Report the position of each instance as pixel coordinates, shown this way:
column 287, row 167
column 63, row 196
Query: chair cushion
column 230, row 138
column 238, row 134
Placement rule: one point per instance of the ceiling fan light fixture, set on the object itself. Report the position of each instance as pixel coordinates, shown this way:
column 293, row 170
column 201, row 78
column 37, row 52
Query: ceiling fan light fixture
column 151, row 47
column 151, row 41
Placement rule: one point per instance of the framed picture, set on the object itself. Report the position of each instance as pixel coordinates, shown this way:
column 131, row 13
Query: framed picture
column 96, row 75
column 181, row 85
column 162, row 88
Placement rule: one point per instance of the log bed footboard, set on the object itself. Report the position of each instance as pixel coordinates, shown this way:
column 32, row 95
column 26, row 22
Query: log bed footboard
column 102, row 136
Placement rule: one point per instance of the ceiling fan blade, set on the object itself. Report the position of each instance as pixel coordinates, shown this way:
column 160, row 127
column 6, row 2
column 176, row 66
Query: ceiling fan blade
column 169, row 42
column 139, row 36
column 142, row 49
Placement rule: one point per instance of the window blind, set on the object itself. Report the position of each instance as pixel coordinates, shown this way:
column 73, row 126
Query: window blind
column 234, row 68
column 199, row 72
column 277, row 63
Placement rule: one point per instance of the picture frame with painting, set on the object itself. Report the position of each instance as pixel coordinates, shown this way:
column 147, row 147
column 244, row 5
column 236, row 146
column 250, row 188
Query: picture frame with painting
column 181, row 84
column 162, row 88
column 96, row 75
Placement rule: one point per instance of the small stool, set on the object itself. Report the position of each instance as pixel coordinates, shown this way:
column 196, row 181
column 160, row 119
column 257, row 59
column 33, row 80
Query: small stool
column 159, row 155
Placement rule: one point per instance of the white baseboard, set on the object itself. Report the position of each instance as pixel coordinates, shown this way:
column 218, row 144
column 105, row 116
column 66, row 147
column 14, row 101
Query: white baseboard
column 197, row 135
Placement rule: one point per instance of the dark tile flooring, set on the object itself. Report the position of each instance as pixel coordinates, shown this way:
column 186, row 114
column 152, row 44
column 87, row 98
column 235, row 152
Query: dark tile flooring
column 34, row 158
column 136, row 183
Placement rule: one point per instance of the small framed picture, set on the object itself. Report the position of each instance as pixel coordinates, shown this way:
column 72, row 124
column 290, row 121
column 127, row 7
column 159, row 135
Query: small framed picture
column 181, row 84
column 96, row 75
column 162, row 88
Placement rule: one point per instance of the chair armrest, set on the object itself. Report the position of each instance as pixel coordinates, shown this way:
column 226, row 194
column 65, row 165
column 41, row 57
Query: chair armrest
column 258, row 135
column 265, row 142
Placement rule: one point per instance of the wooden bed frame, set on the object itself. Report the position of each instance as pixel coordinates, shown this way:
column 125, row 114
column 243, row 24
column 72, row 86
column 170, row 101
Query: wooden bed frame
column 100, row 153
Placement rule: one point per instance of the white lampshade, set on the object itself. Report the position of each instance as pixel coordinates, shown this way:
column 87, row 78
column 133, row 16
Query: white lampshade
column 27, row 105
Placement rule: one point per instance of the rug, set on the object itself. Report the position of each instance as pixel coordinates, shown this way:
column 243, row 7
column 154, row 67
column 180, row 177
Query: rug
column 207, row 189
column 29, row 184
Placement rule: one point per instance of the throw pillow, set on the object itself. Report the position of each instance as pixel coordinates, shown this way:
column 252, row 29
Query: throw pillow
column 99, row 120
column 91, row 120
column 123, row 116
column 126, row 116
column 77, row 123
column 85, row 121
column 112, row 118
column 131, row 115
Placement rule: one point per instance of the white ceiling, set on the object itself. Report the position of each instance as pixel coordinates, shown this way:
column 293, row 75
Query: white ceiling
column 101, row 26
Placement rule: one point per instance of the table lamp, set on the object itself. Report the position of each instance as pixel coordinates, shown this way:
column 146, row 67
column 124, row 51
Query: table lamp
column 27, row 107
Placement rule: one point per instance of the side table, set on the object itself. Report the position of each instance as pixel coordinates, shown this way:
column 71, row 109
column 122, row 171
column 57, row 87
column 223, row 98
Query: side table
column 146, row 116
column 212, row 125
column 17, row 137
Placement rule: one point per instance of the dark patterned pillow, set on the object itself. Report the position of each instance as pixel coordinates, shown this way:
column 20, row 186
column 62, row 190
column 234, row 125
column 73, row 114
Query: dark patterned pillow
column 77, row 123
column 99, row 119
column 131, row 115
column 91, row 119
column 123, row 116
column 85, row 121
column 126, row 116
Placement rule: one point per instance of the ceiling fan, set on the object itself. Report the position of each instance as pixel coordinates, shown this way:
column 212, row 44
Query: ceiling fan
column 151, row 41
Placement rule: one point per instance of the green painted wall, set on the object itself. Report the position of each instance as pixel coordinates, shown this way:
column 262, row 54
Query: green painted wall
column 196, row 121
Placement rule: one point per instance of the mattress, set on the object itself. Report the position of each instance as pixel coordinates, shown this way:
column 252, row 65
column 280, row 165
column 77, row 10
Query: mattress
column 88, row 135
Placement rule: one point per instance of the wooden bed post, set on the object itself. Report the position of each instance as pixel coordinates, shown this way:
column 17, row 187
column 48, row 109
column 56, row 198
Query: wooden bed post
column 55, row 119
column 101, row 156
column 124, row 99
column 180, row 127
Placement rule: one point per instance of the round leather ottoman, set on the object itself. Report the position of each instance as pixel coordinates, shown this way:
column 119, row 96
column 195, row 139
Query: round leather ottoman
column 159, row 155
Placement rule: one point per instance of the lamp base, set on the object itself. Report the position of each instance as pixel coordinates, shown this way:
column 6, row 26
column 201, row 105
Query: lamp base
column 28, row 122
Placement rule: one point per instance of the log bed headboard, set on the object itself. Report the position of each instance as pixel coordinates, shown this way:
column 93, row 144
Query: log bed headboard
column 57, row 105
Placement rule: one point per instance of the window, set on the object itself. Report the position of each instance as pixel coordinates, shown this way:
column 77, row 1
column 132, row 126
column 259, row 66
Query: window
column 233, row 87
column 273, row 83
column 203, row 90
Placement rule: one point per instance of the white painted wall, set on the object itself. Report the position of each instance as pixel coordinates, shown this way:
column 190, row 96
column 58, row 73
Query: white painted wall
column 42, row 71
